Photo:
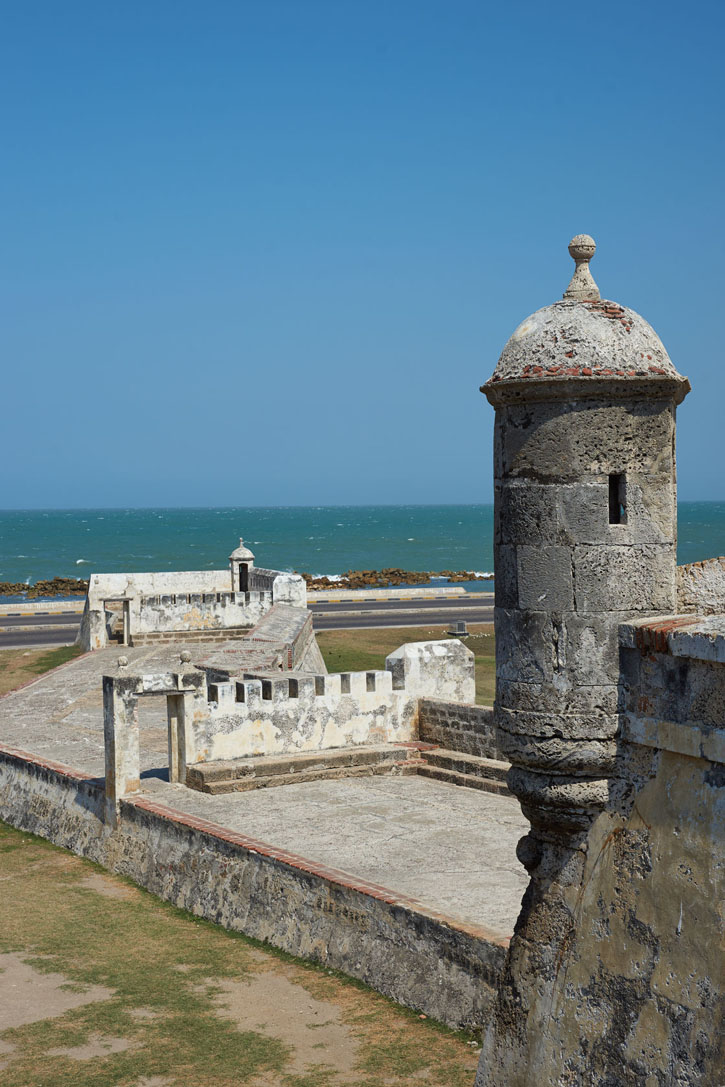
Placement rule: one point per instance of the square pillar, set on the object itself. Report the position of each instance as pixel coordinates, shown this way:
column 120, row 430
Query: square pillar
column 120, row 734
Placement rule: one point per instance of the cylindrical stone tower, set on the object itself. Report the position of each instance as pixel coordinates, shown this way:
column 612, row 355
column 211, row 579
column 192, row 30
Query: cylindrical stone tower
column 585, row 532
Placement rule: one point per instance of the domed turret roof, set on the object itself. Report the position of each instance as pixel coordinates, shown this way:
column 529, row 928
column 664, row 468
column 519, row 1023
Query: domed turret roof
column 241, row 553
column 583, row 337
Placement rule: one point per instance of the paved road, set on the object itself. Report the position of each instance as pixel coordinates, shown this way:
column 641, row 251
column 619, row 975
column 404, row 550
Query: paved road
column 36, row 639
column 57, row 618
column 36, row 630
column 346, row 619
column 451, row 602
column 60, row 628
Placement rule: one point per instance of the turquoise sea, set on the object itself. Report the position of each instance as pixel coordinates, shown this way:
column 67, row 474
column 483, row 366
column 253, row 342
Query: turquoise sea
column 38, row 544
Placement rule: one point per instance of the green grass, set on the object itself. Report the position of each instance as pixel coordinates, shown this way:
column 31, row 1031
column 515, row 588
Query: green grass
column 366, row 649
column 19, row 666
column 53, row 657
column 135, row 946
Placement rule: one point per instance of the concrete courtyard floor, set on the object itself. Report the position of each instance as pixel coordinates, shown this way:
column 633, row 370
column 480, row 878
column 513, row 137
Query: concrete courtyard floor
column 451, row 849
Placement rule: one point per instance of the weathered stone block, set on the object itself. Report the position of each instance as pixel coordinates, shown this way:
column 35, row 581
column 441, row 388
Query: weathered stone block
column 556, row 755
column 529, row 646
column 569, row 726
column 506, row 583
column 592, row 649
column 618, row 579
column 526, row 512
column 545, row 578
column 563, row 698
column 701, row 587
column 568, row 442
column 584, row 511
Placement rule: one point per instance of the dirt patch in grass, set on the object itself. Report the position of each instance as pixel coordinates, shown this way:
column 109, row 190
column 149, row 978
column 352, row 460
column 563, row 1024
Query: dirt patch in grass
column 98, row 1045
column 236, row 1014
column 311, row 1028
column 19, row 666
column 366, row 649
column 104, row 885
column 27, row 994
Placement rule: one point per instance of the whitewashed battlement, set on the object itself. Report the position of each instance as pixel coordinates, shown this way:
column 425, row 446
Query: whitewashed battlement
column 273, row 714
column 144, row 605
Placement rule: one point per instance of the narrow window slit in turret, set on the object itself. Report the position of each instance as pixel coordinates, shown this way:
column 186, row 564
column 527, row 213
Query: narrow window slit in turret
column 617, row 504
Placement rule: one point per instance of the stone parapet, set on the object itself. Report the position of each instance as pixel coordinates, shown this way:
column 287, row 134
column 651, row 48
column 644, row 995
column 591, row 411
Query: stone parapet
column 701, row 587
column 444, row 670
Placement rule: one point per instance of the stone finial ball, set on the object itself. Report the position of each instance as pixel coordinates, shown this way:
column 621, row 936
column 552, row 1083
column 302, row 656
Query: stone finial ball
column 582, row 247
column 123, row 662
column 185, row 656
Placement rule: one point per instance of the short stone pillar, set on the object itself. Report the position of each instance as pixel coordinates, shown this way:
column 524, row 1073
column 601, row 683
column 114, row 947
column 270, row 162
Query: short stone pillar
column 241, row 562
column 121, row 740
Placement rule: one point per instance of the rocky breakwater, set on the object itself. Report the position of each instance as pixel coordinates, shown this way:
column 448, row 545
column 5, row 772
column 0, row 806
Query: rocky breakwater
column 383, row 579
column 57, row 586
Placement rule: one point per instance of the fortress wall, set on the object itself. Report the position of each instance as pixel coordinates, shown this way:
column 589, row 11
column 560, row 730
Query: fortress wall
column 459, row 726
column 632, row 990
column 701, row 587
column 426, row 961
column 183, row 601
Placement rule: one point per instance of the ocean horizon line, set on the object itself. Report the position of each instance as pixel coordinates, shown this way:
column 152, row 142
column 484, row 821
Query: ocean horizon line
column 295, row 506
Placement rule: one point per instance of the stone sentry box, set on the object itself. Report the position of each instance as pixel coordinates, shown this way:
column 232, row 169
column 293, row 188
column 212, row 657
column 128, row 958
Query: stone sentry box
column 585, row 542
column 585, row 534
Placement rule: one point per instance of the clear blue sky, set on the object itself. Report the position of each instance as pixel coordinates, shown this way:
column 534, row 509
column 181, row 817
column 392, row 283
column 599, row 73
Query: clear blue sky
column 265, row 253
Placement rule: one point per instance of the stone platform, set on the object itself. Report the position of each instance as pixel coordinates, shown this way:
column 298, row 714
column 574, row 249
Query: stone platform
column 431, row 867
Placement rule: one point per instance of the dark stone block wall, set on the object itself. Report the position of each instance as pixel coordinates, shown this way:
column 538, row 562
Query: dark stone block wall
column 459, row 727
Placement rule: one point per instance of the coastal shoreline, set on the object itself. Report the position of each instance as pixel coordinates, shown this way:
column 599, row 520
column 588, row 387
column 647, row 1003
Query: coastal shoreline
column 389, row 577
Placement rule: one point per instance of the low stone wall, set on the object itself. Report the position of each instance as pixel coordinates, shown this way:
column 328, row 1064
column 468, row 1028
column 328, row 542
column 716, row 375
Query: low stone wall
column 197, row 612
column 428, row 962
column 459, row 726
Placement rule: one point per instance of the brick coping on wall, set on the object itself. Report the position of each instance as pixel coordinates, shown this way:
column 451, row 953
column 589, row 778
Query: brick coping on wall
column 251, row 845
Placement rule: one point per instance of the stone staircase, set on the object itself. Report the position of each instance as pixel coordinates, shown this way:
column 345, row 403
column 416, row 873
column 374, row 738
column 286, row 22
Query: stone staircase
column 267, row 771
column 459, row 768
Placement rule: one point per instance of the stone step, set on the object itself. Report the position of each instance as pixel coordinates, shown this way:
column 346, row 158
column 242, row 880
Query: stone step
column 463, row 763
column 262, row 771
column 215, row 634
column 299, row 777
column 470, row 781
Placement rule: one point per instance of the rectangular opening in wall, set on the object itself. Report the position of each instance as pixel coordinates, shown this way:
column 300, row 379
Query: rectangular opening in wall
column 319, row 684
column 294, row 690
column 266, row 690
column 345, row 683
column 617, row 505
column 370, row 681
